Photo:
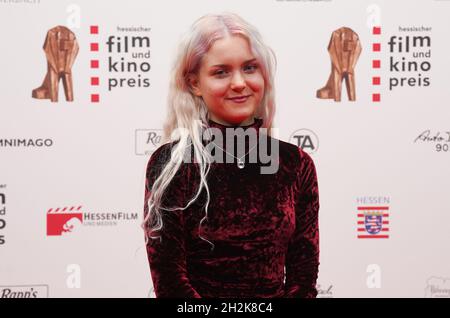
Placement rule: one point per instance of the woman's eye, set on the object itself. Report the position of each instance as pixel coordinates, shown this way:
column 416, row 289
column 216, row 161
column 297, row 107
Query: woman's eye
column 248, row 69
column 251, row 67
column 220, row 73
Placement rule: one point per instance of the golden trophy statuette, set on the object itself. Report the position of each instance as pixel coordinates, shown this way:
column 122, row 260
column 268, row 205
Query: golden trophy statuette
column 60, row 48
column 344, row 49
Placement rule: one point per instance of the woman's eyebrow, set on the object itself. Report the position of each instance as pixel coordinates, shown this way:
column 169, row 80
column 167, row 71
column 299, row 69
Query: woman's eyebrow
column 225, row 65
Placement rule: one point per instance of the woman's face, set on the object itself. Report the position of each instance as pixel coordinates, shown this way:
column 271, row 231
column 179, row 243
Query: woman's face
column 230, row 81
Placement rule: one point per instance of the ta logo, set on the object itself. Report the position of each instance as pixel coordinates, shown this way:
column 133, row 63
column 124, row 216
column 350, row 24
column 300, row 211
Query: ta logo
column 305, row 139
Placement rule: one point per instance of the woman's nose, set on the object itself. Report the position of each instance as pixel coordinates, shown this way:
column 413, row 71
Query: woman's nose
column 237, row 81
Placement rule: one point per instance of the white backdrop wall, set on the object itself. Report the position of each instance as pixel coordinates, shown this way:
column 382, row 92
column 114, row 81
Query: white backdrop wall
column 392, row 153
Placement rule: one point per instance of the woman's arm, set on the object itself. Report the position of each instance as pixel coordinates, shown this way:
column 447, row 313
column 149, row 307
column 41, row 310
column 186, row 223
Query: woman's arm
column 302, row 260
column 167, row 254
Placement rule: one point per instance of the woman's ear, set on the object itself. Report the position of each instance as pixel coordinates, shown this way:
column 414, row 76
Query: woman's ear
column 193, row 84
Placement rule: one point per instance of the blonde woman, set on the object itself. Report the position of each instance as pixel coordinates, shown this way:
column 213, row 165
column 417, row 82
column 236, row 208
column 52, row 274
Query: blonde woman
column 244, row 226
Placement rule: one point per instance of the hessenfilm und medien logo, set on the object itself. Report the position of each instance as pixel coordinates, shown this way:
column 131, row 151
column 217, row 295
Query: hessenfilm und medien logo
column 232, row 145
column 71, row 219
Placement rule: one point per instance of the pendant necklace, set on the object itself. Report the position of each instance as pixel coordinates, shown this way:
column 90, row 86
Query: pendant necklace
column 240, row 160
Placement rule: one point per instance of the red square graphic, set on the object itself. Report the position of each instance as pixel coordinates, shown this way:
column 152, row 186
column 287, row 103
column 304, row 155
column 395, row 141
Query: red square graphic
column 94, row 29
column 376, row 80
column 95, row 81
column 62, row 221
column 94, row 63
column 376, row 30
column 376, row 97
column 376, row 63
column 376, row 47
column 94, row 47
column 95, row 98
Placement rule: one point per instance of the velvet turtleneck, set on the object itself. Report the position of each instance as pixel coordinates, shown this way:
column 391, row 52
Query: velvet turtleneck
column 263, row 227
column 256, row 124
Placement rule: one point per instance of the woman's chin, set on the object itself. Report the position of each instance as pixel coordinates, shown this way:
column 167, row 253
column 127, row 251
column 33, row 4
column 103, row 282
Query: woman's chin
column 240, row 120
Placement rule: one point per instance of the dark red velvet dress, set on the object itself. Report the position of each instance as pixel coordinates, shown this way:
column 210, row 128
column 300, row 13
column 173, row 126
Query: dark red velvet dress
column 264, row 228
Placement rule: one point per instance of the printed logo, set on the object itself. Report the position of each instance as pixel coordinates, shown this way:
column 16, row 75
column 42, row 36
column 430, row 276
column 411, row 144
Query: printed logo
column 410, row 57
column 439, row 140
column 128, row 58
column 305, row 139
column 373, row 222
column 26, row 142
column 437, row 287
column 26, row 291
column 325, row 292
column 147, row 140
column 62, row 221
column 61, row 49
column 344, row 49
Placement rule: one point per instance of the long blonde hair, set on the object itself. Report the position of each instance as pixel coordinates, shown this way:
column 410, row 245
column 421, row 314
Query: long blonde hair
column 188, row 114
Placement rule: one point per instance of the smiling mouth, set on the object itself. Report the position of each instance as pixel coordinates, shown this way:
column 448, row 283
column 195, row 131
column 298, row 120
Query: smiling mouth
column 239, row 99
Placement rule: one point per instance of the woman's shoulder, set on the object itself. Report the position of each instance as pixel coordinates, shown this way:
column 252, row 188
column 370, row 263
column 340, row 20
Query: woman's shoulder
column 301, row 164
column 162, row 153
column 294, row 154
column 160, row 157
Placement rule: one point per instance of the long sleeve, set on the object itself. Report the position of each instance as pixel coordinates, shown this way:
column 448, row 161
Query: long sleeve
column 167, row 253
column 302, row 259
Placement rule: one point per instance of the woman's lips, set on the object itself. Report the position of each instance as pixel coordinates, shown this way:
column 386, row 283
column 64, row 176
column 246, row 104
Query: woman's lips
column 240, row 99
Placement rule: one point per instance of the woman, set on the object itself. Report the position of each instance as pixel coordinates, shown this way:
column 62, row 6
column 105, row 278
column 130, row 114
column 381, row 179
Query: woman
column 224, row 229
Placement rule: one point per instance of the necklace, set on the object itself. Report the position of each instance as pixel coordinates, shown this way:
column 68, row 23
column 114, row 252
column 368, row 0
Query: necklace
column 240, row 161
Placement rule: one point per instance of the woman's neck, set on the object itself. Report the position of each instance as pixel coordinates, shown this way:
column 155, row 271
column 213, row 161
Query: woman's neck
column 247, row 122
